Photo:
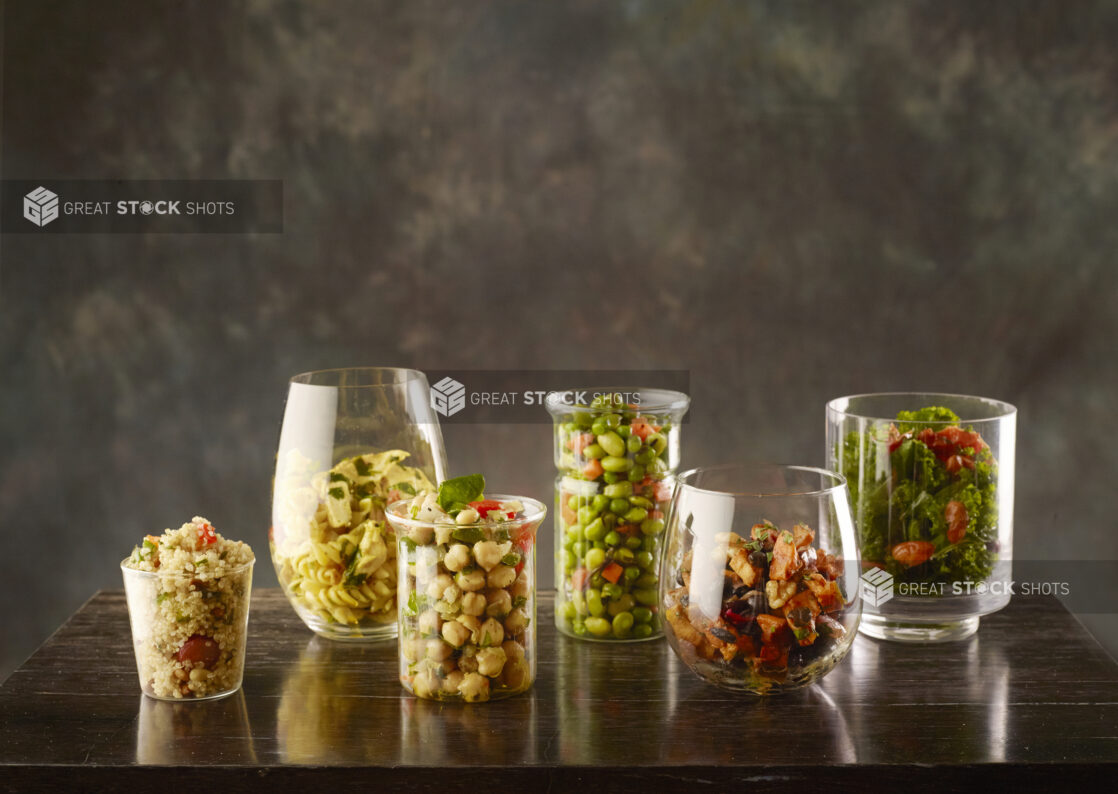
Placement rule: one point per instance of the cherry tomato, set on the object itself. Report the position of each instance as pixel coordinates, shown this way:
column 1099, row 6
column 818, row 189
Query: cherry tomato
column 957, row 462
column 955, row 514
column 913, row 552
column 207, row 535
column 485, row 505
column 199, row 649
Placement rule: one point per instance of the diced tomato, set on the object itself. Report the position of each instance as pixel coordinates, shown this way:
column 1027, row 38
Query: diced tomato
column 580, row 441
column 593, row 469
column 641, row 428
column 896, row 438
column 207, row 535
column 913, row 552
column 579, row 577
column 955, row 514
column 485, row 505
column 957, row 462
column 627, row 529
column 569, row 515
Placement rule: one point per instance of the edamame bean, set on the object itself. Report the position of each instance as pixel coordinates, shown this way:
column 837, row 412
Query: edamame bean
column 636, row 474
column 574, row 532
column 648, row 580
column 583, row 418
column 598, row 427
column 624, row 431
column 595, row 558
column 599, row 503
column 619, row 506
column 594, row 604
column 579, row 628
column 579, row 548
column 632, row 573
column 594, row 451
column 612, row 420
column 633, row 444
column 567, row 611
column 635, row 516
column 611, row 477
column 572, row 502
column 658, row 443
column 656, row 469
column 640, row 501
column 645, row 456
column 618, row 490
column 624, row 556
column 616, row 465
column 644, row 559
column 642, row 614
column 633, row 543
column 567, row 560
column 611, row 590
column 642, row 631
column 599, row 627
column 595, row 530
column 586, row 514
column 623, row 604
column 597, row 580
column 612, row 444
column 651, row 526
column 613, row 539
column 645, row 596
column 622, row 624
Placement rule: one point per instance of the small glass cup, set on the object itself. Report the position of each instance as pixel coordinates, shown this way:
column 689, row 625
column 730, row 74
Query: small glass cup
column 616, row 449
column 189, row 635
column 352, row 440
column 759, row 584
column 933, row 502
column 467, row 627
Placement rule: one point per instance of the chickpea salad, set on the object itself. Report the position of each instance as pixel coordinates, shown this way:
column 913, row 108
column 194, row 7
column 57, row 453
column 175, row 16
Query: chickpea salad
column 466, row 591
column 188, row 599
column 780, row 621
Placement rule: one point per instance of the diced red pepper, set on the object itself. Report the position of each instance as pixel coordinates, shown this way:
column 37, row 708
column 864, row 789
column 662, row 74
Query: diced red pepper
column 579, row 577
column 612, row 572
column 580, row 441
column 641, row 428
column 207, row 535
column 662, row 491
column 592, row 470
column 485, row 505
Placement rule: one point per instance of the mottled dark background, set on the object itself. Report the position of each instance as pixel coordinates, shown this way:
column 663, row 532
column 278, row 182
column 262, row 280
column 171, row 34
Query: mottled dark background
column 792, row 201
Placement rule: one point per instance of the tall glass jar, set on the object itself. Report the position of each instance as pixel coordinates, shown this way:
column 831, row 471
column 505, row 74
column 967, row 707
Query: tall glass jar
column 616, row 450
column 931, row 484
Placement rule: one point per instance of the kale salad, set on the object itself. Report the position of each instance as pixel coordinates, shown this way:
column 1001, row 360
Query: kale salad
column 924, row 494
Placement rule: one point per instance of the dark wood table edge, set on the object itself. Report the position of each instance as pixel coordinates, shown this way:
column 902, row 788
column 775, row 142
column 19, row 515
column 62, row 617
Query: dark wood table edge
column 845, row 777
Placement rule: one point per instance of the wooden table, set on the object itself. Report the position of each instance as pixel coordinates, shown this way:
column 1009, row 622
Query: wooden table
column 1031, row 699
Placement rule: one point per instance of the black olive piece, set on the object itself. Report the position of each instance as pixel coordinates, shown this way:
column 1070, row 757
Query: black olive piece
column 758, row 559
column 756, row 601
column 723, row 635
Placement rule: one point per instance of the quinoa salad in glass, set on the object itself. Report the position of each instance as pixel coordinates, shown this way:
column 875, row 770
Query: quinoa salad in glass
column 188, row 600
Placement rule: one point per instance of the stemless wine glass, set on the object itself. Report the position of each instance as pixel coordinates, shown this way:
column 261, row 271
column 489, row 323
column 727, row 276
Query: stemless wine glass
column 931, row 482
column 352, row 440
column 758, row 584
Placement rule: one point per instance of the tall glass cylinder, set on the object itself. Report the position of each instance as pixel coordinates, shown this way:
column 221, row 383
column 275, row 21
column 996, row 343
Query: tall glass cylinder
column 616, row 449
column 931, row 481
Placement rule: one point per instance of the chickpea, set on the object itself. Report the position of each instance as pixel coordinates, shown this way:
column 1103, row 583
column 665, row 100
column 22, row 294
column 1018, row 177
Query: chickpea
column 437, row 650
column 473, row 603
column 430, row 622
column 490, row 661
column 455, row 633
column 516, row 622
column 520, row 587
column 411, row 648
column 474, row 688
column 421, row 536
column 470, row 581
column 499, row 603
column 467, row 517
column 473, row 624
column 491, row 633
column 425, row 684
column 452, row 681
column 516, row 675
column 439, row 585
column 488, row 554
column 501, row 576
column 467, row 662
column 443, row 533
column 514, row 651
column 457, row 557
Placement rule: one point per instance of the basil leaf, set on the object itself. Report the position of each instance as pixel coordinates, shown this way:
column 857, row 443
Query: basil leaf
column 456, row 493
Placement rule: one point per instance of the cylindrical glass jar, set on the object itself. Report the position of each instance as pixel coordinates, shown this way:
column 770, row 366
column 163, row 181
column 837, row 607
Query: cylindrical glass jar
column 931, row 484
column 616, row 450
column 188, row 633
column 467, row 620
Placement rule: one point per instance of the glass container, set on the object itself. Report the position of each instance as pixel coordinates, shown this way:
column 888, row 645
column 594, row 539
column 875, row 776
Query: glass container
column 352, row 440
column 931, row 484
column 759, row 584
column 616, row 449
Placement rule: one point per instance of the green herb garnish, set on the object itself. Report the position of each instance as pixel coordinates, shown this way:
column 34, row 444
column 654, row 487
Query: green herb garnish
column 456, row 494
column 336, row 493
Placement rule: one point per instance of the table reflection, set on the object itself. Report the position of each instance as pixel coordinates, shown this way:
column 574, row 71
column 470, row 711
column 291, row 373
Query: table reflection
column 500, row 732
column 181, row 733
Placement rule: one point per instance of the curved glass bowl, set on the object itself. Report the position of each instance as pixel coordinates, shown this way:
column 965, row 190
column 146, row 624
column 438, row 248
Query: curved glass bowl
column 759, row 582
column 933, row 501
column 352, row 441
column 467, row 596
column 615, row 457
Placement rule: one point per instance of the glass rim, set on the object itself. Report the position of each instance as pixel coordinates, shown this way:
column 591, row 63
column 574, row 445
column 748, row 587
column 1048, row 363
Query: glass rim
column 839, row 482
column 127, row 569
column 669, row 400
column 539, row 512
column 305, row 378
column 1005, row 409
